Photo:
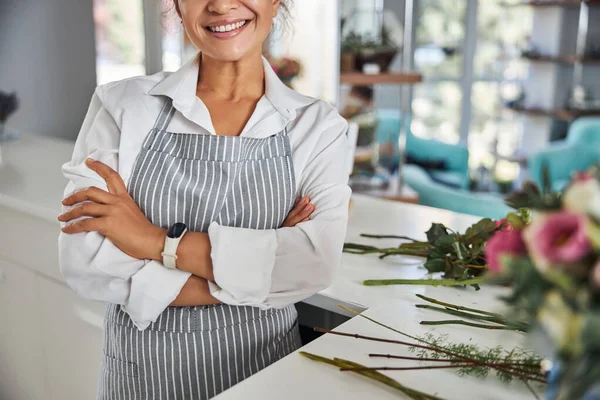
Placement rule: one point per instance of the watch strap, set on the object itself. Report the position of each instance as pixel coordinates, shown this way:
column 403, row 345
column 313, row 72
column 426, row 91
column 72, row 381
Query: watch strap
column 169, row 254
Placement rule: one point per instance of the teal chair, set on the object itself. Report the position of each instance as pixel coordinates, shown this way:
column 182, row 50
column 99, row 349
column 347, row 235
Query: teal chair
column 435, row 194
column 454, row 157
column 577, row 152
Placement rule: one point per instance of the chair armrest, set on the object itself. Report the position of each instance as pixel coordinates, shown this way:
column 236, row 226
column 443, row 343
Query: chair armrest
column 562, row 160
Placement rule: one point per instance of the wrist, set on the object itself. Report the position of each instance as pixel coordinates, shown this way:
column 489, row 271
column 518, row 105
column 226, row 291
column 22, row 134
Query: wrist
column 157, row 243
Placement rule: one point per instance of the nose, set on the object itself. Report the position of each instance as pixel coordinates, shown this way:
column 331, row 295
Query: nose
column 222, row 6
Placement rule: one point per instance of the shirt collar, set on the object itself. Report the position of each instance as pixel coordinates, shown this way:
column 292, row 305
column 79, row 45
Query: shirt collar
column 181, row 87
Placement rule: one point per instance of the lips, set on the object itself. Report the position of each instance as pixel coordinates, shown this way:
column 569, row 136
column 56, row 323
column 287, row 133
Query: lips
column 227, row 29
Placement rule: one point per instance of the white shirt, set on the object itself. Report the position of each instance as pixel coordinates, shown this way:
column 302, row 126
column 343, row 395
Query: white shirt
column 261, row 268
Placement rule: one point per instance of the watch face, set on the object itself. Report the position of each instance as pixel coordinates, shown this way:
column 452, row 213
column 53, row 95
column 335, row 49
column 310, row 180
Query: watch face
column 176, row 230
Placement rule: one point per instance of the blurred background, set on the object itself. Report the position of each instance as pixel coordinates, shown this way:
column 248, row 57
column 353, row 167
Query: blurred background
column 451, row 103
column 488, row 84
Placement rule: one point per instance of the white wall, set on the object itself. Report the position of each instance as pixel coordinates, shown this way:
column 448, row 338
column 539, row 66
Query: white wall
column 47, row 54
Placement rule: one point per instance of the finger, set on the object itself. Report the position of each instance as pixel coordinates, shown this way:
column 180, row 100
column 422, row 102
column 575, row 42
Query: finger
column 298, row 207
column 306, row 219
column 113, row 179
column 305, row 212
column 92, row 193
column 85, row 225
column 301, row 215
column 88, row 208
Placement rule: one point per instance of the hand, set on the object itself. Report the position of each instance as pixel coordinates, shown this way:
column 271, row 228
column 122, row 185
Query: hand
column 115, row 215
column 301, row 212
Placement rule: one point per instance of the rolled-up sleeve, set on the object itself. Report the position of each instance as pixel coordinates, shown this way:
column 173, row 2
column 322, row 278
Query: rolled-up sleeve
column 89, row 262
column 279, row 267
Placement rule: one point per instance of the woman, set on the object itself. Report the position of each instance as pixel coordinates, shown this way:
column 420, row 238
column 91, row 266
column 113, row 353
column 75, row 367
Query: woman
column 180, row 212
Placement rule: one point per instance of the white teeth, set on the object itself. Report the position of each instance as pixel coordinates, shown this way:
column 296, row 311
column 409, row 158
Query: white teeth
column 228, row 27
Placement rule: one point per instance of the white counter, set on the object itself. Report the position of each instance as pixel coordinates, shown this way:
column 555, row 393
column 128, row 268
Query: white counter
column 298, row 378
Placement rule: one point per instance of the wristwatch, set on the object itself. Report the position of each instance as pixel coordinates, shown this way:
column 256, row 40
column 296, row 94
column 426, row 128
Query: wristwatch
column 174, row 236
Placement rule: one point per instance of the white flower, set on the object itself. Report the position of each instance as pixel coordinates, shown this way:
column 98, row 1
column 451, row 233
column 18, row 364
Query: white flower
column 583, row 196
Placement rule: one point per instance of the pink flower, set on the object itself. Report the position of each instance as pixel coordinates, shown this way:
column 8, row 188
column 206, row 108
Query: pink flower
column 582, row 176
column 557, row 239
column 504, row 225
column 504, row 242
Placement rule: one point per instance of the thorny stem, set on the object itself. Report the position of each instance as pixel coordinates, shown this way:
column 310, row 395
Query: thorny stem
column 436, row 349
column 517, row 364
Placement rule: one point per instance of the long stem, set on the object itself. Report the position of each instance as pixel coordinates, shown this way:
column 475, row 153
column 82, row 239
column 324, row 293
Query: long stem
column 354, row 248
column 430, row 282
column 455, row 366
column 340, row 363
column 464, row 314
column 446, row 360
column 472, row 324
column 366, row 235
column 441, row 303
column 430, row 348
column 497, row 319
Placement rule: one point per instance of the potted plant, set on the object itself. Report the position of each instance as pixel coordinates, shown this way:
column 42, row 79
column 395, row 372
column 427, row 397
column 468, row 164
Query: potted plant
column 358, row 50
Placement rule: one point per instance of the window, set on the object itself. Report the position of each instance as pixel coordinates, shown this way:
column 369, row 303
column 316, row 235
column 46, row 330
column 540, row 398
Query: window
column 120, row 46
column 137, row 37
column 469, row 54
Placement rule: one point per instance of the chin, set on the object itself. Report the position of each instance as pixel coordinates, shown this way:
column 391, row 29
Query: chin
column 228, row 54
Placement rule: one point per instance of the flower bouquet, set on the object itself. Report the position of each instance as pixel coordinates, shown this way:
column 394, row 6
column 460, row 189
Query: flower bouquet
column 551, row 257
column 286, row 69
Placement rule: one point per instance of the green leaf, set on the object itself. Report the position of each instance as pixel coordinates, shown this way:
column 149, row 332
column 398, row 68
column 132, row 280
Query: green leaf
column 435, row 265
column 460, row 250
column 546, row 180
column 528, row 197
column 445, row 243
column 436, row 231
column 480, row 232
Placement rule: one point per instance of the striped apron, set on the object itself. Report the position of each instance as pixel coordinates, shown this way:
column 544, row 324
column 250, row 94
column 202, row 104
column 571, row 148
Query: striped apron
column 197, row 352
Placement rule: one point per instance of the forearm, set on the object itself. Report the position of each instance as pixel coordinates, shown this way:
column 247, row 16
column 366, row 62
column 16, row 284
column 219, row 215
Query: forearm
column 193, row 253
column 195, row 292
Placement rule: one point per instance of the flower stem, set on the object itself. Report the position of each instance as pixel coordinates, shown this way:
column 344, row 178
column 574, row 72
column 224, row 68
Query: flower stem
column 430, row 282
column 390, row 237
column 446, row 360
column 441, row 303
column 408, row 368
column 461, row 322
column 497, row 318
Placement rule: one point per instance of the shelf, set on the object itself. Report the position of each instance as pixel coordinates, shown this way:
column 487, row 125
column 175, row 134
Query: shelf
column 357, row 78
column 563, row 59
column 552, row 3
column 562, row 114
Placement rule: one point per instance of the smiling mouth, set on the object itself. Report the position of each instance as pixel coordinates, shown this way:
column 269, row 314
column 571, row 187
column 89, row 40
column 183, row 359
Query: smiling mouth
column 228, row 27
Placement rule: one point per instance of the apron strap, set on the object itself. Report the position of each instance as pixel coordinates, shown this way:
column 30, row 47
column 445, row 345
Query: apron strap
column 162, row 121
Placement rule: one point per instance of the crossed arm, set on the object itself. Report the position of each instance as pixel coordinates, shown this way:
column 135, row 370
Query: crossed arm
column 115, row 215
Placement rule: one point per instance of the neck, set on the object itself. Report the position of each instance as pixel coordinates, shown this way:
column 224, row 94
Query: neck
column 232, row 80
